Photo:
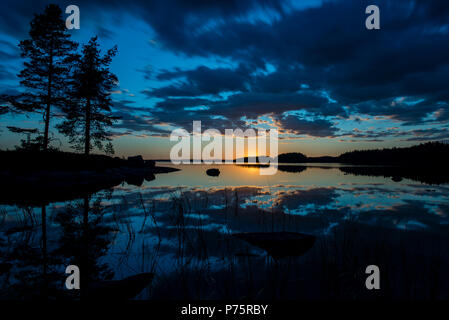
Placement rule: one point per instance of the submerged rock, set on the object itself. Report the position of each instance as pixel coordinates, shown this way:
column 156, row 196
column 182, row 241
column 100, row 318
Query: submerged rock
column 279, row 244
column 213, row 172
column 124, row 289
column 149, row 177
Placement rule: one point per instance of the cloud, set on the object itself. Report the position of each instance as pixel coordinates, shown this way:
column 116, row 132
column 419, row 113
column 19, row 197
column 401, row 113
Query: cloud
column 134, row 119
column 202, row 81
column 281, row 56
column 314, row 128
column 327, row 48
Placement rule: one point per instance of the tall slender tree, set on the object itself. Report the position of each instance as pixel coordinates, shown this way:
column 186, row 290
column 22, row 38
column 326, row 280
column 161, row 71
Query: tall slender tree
column 89, row 113
column 48, row 53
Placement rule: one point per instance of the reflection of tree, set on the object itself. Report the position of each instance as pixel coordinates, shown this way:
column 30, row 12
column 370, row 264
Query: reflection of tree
column 84, row 240
column 428, row 174
column 33, row 271
column 34, row 255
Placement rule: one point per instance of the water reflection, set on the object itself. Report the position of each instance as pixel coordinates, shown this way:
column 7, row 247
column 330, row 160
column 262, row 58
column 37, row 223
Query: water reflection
column 180, row 226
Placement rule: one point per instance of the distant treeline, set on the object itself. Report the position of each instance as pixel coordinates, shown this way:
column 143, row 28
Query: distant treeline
column 294, row 157
column 425, row 154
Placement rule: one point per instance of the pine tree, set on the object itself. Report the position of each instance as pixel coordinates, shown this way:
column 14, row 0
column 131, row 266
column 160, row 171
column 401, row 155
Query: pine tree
column 49, row 54
column 89, row 113
column 109, row 149
column 28, row 144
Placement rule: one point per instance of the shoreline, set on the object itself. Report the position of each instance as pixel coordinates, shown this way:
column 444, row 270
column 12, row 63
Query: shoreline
column 40, row 187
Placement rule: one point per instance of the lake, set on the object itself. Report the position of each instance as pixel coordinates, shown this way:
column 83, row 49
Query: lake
column 181, row 226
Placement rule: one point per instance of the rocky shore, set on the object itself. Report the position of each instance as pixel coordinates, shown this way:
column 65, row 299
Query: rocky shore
column 39, row 185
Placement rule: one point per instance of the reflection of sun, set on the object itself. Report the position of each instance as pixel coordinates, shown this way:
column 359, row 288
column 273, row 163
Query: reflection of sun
column 251, row 151
column 252, row 170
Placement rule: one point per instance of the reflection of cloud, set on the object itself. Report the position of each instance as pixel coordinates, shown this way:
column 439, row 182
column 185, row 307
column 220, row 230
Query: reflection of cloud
column 294, row 199
column 216, row 212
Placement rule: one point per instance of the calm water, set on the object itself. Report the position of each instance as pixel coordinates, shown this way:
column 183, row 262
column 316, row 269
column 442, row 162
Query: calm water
column 180, row 227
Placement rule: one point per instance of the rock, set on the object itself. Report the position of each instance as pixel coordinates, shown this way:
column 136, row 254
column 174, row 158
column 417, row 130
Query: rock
column 213, row 172
column 150, row 163
column 149, row 176
column 136, row 161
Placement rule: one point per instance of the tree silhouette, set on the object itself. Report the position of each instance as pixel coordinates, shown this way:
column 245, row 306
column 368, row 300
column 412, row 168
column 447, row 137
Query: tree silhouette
column 109, row 149
column 49, row 54
column 28, row 144
column 89, row 113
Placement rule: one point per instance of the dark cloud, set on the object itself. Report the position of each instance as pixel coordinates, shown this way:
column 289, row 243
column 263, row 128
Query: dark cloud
column 133, row 119
column 429, row 134
column 315, row 128
column 9, row 50
column 104, row 33
column 328, row 48
column 202, row 81
column 228, row 112
column 320, row 59
column 6, row 74
column 165, row 16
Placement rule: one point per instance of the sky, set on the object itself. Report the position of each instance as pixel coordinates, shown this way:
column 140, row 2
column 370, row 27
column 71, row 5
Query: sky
column 308, row 68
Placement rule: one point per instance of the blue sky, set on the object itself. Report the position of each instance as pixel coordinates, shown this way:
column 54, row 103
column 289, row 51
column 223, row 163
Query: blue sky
column 308, row 68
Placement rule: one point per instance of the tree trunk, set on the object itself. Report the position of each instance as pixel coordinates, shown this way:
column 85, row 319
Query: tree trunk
column 47, row 125
column 47, row 109
column 87, row 129
column 44, row 252
column 84, row 259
